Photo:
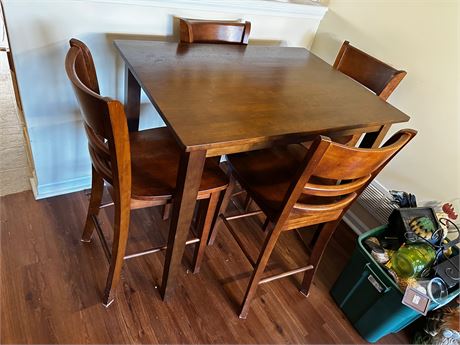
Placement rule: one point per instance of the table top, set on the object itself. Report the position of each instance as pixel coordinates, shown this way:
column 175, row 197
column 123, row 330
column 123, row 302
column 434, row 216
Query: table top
column 214, row 96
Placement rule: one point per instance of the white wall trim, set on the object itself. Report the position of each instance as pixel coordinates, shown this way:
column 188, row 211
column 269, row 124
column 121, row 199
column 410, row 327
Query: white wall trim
column 308, row 9
column 62, row 187
column 356, row 224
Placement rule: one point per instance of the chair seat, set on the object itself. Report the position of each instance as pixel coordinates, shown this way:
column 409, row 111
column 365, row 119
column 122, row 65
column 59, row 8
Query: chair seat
column 267, row 174
column 155, row 159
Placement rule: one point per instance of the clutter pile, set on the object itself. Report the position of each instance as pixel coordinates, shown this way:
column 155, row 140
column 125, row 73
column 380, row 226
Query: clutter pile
column 403, row 270
column 416, row 253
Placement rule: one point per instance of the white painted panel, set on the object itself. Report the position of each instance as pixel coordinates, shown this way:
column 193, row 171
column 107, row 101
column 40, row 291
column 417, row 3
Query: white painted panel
column 40, row 31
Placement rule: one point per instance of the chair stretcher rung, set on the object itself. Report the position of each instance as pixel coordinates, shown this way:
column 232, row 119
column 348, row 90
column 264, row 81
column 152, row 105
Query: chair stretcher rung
column 101, row 236
column 238, row 241
column 106, row 205
column 248, row 214
column 238, row 193
column 285, row 274
column 157, row 249
column 108, row 254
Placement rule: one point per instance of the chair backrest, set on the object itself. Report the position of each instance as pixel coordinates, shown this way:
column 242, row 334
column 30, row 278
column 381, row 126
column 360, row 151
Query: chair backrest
column 213, row 31
column 88, row 74
column 333, row 175
column 368, row 71
column 104, row 120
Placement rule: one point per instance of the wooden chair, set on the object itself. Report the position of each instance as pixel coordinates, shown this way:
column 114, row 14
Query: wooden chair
column 377, row 76
column 214, row 31
column 295, row 187
column 140, row 168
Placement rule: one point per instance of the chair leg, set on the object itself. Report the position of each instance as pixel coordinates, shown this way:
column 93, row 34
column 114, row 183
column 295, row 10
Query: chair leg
column 120, row 237
column 206, row 212
column 217, row 221
column 247, row 203
column 315, row 236
column 325, row 232
column 269, row 245
column 166, row 211
column 97, row 189
column 266, row 224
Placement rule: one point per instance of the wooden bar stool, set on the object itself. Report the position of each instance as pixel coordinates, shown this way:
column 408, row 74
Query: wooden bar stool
column 374, row 74
column 214, row 31
column 140, row 168
column 295, row 187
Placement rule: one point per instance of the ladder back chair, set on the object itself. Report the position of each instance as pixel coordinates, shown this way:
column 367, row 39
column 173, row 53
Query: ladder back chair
column 295, row 187
column 139, row 168
column 214, row 31
column 376, row 75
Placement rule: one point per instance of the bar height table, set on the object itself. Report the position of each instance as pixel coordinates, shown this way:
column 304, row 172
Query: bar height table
column 221, row 99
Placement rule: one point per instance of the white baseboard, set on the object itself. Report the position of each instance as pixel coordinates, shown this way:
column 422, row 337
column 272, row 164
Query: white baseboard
column 360, row 219
column 59, row 188
column 354, row 223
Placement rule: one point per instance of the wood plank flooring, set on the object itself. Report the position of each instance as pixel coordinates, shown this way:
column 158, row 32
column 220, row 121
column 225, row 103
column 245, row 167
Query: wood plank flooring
column 51, row 284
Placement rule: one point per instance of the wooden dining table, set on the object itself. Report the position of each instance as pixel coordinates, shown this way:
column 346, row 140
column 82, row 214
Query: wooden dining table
column 222, row 99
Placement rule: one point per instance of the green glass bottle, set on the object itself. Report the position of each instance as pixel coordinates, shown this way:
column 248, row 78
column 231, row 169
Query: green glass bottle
column 410, row 260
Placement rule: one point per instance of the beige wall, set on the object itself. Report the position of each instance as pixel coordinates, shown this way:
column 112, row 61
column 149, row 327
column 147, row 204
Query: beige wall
column 421, row 37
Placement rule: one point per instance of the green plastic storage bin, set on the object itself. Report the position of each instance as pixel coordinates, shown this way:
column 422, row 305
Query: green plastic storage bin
column 370, row 298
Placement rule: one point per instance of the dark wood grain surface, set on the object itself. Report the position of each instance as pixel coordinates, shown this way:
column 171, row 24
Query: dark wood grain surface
column 219, row 95
column 51, row 285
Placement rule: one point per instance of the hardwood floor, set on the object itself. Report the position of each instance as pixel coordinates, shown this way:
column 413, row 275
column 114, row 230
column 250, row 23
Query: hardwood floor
column 51, row 284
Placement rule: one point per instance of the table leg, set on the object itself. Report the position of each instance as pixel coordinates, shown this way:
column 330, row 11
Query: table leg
column 188, row 183
column 374, row 139
column 132, row 100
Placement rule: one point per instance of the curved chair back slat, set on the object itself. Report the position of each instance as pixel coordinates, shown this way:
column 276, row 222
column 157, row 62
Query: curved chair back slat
column 213, row 31
column 342, row 162
column 87, row 75
column 345, row 170
column 316, row 189
column 374, row 74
